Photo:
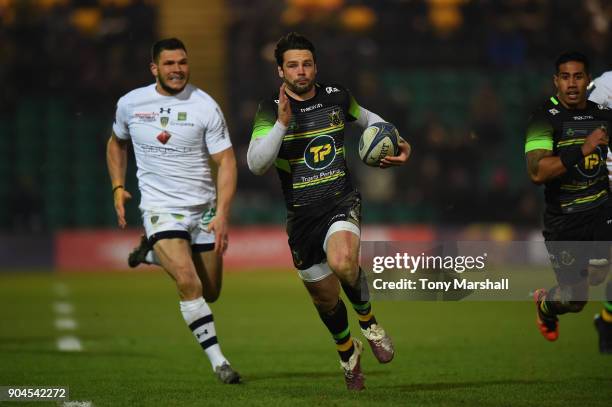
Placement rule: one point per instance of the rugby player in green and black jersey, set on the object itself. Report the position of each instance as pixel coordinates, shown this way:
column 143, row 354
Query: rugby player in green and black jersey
column 301, row 132
column 566, row 148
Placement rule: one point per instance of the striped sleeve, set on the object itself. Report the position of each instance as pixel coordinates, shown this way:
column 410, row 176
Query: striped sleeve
column 539, row 134
column 264, row 120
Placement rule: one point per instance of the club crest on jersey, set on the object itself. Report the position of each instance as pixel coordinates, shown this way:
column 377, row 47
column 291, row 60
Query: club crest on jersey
column 164, row 120
column 163, row 137
column 554, row 111
column 331, row 89
column 335, row 119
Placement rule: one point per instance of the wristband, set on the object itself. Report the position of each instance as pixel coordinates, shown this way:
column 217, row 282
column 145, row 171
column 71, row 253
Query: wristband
column 571, row 156
column 117, row 187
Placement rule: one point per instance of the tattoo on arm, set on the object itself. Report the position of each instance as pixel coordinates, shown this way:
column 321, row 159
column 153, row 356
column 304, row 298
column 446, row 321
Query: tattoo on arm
column 533, row 160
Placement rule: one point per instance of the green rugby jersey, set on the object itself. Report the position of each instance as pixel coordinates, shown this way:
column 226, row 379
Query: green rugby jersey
column 311, row 161
column 555, row 128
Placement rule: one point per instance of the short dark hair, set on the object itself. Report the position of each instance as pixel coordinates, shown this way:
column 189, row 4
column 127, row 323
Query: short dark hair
column 572, row 56
column 166, row 44
column 292, row 40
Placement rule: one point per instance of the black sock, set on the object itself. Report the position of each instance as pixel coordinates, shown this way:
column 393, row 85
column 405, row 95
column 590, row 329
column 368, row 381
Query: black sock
column 336, row 322
column 359, row 296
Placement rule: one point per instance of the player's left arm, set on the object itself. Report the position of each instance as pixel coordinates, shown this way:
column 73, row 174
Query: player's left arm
column 227, row 175
column 222, row 154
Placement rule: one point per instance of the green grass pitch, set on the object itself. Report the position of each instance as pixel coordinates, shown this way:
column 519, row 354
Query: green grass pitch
column 137, row 350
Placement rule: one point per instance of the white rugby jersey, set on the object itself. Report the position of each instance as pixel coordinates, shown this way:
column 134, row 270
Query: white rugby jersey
column 601, row 93
column 173, row 137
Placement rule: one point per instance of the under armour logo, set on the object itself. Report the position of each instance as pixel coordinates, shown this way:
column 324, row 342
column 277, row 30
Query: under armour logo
column 203, row 333
column 162, row 110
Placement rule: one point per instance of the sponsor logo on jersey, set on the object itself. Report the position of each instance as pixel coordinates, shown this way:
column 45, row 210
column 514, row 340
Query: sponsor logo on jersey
column 592, row 165
column 164, row 151
column 583, row 117
column 335, row 119
column 320, row 152
column 331, row 89
column 311, row 108
column 181, row 116
column 145, row 117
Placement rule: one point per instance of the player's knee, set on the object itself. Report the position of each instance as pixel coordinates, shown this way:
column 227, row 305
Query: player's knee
column 597, row 274
column 189, row 284
column 343, row 264
column 325, row 303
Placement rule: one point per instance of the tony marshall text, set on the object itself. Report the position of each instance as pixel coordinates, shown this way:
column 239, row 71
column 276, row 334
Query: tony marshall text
column 426, row 284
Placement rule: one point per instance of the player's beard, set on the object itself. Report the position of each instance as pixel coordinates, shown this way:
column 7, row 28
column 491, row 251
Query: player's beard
column 171, row 91
column 300, row 89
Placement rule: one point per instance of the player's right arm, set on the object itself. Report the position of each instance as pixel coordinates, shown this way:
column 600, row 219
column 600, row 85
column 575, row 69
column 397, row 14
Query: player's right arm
column 542, row 164
column 268, row 133
column 116, row 161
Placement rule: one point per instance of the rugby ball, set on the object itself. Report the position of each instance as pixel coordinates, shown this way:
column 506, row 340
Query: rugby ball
column 378, row 141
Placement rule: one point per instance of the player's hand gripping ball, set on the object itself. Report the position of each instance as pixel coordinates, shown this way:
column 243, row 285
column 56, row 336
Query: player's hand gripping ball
column 378, row 141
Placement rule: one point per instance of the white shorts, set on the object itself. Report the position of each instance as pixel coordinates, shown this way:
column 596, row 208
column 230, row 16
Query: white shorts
column 319, row 271
column 185, row 223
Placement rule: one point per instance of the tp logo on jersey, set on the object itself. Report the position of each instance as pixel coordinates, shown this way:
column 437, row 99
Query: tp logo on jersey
column 320, row 152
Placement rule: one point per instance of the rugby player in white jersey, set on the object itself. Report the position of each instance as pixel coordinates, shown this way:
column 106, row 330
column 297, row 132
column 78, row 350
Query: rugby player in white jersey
column 176, row 129
column 600, row 92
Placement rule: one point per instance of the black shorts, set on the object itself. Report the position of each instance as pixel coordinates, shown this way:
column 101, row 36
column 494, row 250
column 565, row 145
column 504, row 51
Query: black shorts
column 307, row 227
column 571, row 249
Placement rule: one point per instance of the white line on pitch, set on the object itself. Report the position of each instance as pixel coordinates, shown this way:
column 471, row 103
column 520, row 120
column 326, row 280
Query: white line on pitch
column 69, row 344
column 62, row 307
column 65, row 324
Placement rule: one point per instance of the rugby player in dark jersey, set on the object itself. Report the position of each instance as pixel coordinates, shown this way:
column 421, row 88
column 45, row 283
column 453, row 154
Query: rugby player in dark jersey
column 566, row 147
column 301, row 133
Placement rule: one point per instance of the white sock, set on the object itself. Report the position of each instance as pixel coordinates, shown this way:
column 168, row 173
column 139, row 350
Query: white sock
column 151, row 258
column 199, row 317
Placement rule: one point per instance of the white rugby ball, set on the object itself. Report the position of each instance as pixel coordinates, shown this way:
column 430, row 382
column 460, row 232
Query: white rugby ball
column 378, row 141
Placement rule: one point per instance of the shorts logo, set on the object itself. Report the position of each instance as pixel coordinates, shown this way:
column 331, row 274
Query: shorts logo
column 320, row 152
column 296, row 258
column 567, row 259
column 154, row 219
